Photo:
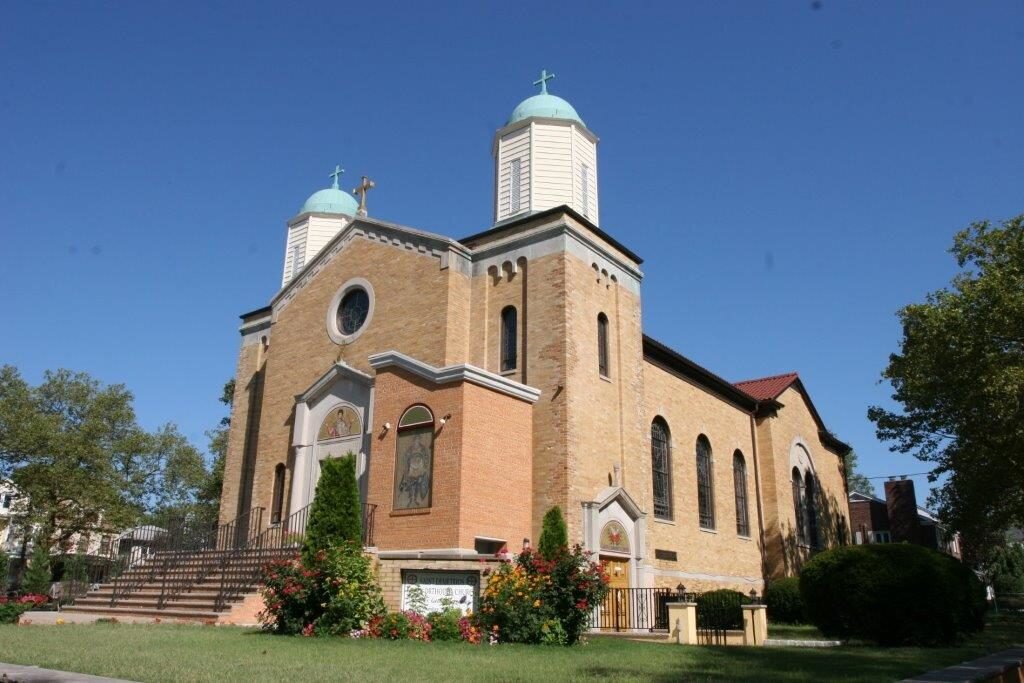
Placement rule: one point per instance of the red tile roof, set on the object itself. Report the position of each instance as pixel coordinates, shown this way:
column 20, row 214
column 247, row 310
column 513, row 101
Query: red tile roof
column 767, row 388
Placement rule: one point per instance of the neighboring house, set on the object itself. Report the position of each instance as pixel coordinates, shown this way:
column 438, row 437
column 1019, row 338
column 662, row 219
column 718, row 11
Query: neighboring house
column 899, row 519
column 13, row 530
column 6, row 515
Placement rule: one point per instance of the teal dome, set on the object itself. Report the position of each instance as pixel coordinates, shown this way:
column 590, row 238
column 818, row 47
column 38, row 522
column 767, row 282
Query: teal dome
column 544, row 104
column 548, row 106
column 331, row 200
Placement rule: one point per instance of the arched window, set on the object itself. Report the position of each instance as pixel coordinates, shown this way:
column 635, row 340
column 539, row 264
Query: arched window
column 810, row 509
column 705, row 484
column 602, row 344
column 798, row 506
column 739, row 482
column 277, row 503
column 509, row 338
column 414, row 459
column 661, row 468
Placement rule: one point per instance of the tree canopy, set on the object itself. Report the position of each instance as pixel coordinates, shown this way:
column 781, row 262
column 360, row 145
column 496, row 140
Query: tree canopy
column 856, row 482
column 81, row 462
column 958, row 380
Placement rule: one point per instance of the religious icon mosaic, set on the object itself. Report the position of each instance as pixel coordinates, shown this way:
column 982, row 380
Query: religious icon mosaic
column 614, row 538
column 340, row 422
column 414, row 468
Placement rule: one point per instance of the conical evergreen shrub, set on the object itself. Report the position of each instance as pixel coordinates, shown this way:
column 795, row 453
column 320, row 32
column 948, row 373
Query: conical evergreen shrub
column 336, row 515
column 37, row 577
column 554, row 535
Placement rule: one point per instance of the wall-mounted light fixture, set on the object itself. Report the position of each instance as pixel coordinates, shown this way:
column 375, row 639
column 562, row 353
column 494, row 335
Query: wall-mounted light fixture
column 444, row 420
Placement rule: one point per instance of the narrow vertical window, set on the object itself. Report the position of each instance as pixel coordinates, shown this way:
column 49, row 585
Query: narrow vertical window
column 705, row 484
column 297, row 259
column 585, row 189
column 277, row 503
column 661, row 468
column 514, row 168
column 798, row 506
column 509, row 338
column 602, row 345
column 810, row 509
column 739, row 480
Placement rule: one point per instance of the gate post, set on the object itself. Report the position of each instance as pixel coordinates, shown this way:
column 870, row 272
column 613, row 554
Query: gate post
column 682, row 622
column 755, row 624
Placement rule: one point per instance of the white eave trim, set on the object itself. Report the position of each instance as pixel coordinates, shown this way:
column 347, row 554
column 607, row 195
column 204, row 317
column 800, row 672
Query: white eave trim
column 327, row 379
column 455, row 373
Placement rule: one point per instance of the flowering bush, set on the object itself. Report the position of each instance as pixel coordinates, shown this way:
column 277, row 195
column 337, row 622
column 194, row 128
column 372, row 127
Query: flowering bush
column 11, row 609
column 538, row 600
column 400, row 626
column 330, row 593
column 445, row 625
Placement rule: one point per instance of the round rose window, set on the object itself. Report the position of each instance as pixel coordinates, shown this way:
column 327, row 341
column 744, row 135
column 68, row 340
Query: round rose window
column 352, row 312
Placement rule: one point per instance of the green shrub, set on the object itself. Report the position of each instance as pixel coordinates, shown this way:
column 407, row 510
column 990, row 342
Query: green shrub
column 38, row 576
column 892, row 594
column 785, row 605
column 1006, row 569
column 400, row 626
column 554, row 536
column 5, row 569
column 721, row 609
column 333, row 593
column 537, row 600
column 445, row 625
column 336, row 516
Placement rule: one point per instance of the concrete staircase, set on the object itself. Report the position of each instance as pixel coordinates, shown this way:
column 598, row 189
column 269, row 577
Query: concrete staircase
column 192, row 582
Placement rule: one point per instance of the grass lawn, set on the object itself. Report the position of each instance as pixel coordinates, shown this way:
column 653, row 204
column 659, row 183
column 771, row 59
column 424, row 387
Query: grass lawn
column 222, row 654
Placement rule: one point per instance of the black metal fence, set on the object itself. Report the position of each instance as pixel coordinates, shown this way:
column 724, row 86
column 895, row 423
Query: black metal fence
column 633, row 609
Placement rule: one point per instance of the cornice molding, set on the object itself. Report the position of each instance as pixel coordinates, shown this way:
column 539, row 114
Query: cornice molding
column 455, row 373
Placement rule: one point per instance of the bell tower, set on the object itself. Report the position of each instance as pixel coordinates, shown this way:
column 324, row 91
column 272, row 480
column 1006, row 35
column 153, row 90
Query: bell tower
column 545, row 156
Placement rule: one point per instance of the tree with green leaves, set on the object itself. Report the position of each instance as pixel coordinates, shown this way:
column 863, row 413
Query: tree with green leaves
column 81, row 463
column 855, row 481
column 37, row 578
column 5, row 569
column 1005, row 568
column 336, row 515
column 958, row 383
column 554, row 536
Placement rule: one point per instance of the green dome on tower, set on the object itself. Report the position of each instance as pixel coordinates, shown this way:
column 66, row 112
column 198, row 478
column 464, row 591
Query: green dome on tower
column 544, row 105
column 332, row 199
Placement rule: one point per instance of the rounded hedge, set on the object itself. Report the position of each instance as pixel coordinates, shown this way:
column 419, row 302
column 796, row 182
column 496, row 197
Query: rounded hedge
column 785, row 606
column 721, row 609
column 892, row 594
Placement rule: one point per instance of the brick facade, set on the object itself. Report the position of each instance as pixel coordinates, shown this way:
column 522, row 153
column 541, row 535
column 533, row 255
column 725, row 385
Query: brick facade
column 500, row 462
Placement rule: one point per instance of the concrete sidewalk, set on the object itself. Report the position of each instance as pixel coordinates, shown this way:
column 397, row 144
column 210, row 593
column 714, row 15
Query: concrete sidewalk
column 16, row 673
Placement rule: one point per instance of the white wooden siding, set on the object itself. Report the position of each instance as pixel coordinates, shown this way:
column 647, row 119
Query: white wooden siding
column 585, row 152
column 310, row 236
column 296, row 238
column 552, row 166
column 515, row 145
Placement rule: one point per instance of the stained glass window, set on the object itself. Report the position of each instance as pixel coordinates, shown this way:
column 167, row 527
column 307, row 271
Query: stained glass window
column 705, row 484
column 508, row 338
column 739, row 480
column 414, row 460
column 810, row 509
column 661, row 469
column 352, row 312
column 602, row 344
column 798, row 506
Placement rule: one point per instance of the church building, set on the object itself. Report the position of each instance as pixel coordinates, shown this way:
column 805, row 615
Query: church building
column 481, row 380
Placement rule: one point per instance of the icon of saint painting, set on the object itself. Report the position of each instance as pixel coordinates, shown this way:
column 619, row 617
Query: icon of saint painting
column 414, row 485
column 339, row 423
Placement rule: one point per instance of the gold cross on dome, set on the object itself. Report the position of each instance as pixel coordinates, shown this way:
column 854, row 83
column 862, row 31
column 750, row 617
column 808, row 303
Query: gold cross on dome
column 365, row 186
column 543, row 81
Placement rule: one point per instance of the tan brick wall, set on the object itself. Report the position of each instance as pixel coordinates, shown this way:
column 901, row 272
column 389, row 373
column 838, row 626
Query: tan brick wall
column 777, row 435
column 690, row 411
column 411, row 306
column 245, row 409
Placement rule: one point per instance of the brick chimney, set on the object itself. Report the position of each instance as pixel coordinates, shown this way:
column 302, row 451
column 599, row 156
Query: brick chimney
column 901, row 503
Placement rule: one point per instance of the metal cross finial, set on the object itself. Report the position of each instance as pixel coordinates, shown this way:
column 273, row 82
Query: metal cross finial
column 543, row 81
column 363, row 188
column 338, row 170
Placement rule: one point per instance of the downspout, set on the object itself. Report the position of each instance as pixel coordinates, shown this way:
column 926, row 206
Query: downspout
column 757, row 491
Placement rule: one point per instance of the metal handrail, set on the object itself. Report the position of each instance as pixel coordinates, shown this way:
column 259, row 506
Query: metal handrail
column 289, row 534
column 190, row 563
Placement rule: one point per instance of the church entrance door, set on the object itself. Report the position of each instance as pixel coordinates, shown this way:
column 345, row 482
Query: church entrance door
column 616, row 609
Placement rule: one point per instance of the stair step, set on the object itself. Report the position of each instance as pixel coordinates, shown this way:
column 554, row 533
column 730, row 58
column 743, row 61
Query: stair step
column 186, row 614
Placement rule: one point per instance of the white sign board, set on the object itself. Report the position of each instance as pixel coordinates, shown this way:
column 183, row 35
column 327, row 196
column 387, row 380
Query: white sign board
column 440, row 589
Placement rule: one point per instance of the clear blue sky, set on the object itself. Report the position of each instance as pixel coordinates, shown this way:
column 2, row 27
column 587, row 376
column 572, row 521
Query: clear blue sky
column 791, row 172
